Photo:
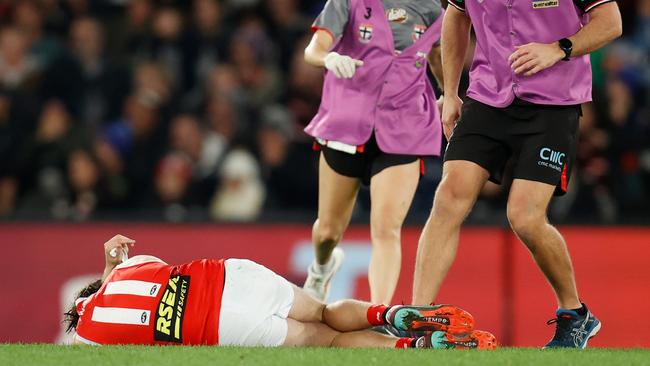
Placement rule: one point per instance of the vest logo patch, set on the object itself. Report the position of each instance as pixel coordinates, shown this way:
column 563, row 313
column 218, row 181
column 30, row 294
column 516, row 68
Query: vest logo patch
column 418, row 31
column 421, row 59
column 546, row 4
column 168, row 324
column 397, row 15
column 365, row 33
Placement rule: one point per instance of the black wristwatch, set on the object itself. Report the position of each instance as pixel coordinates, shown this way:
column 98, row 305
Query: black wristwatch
column 567, row 46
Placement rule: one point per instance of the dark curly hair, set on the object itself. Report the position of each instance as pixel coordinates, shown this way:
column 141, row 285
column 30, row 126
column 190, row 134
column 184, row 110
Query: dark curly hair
column 71, row 317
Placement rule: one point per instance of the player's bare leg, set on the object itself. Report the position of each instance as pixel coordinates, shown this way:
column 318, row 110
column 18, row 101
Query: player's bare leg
column 353, row 315
column 346, row 315
column 344, row 324
column 391, row 194
column 527, row 205
column 336, row 197
column 461, row 184
column 321, row 335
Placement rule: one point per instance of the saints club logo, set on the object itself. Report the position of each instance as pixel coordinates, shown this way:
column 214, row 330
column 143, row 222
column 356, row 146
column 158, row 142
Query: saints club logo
column 365, row 33
column 418, row 31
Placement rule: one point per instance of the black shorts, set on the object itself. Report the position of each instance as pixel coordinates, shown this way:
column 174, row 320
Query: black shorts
column 542, row 140
column 364, row 165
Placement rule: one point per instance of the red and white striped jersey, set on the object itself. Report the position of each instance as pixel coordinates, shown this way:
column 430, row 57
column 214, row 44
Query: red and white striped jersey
column 151, row 302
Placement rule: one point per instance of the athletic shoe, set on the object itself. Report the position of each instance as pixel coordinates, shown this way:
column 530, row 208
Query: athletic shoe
column 390, row 330
column 477, row 339
column 318, row 284
column 446, row 318
column 573, row 330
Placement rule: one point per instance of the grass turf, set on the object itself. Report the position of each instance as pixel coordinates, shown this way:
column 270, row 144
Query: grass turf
column 19, row 354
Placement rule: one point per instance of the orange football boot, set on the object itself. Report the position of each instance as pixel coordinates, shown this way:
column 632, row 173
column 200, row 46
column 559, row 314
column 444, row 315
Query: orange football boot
column 418, row 319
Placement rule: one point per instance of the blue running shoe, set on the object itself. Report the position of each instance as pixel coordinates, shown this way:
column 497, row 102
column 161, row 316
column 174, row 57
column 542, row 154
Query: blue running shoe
column 573, row 330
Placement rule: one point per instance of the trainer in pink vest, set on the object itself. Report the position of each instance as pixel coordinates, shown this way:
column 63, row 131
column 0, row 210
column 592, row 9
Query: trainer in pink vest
column 390, row 94
column 500, row 25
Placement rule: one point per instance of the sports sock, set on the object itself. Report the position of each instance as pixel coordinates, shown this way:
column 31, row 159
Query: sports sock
column 376, row 314
column 406, row 343
column 323, row 268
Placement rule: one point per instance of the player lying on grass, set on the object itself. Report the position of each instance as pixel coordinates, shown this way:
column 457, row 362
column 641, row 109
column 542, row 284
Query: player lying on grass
column 143, row 300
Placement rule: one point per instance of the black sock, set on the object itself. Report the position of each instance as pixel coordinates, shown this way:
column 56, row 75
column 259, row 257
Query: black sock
column 582, row 311
column 414, row 343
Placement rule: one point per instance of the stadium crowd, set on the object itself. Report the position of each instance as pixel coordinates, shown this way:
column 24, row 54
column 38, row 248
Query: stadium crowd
column 193, row 110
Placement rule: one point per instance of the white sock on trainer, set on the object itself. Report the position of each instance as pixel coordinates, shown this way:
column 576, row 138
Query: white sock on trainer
column 323, row 268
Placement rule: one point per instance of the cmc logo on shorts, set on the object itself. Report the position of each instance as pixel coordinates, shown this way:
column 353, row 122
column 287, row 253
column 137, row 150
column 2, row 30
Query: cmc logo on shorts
column 553, row 156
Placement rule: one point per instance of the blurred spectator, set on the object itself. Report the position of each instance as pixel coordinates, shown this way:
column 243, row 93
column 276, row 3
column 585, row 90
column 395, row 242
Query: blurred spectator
column 206, row 43
column 167, row 45
column 129, row 35
column 241, row 194
column 29, row 21
column 138, row 141
column 288, row 27
column 204, row 148
column 44, row 159
column 289, row 168
column 84, row 180
column 252, row 56
column 91, row 84
column 172, row 181
column 152, row 82
column 305, row 86
column 17, row 67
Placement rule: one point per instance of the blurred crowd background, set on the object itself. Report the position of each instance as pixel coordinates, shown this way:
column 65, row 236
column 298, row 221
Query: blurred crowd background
column 193, row 111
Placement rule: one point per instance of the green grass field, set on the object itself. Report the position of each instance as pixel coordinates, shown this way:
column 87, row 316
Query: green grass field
column 187, row 356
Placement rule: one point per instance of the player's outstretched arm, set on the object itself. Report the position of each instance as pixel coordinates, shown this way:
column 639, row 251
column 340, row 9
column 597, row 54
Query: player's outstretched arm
column 115, row 252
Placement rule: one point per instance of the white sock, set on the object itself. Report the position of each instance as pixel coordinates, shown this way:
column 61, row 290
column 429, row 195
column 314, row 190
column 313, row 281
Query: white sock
column 323, row 268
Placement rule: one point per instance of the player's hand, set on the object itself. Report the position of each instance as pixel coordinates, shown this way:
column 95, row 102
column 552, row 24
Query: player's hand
column 451, row 109
column 116, row 248
column 342, row 66
column 532, row 58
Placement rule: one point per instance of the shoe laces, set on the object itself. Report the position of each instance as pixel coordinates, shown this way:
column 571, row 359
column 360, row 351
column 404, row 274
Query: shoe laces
column 562, row 327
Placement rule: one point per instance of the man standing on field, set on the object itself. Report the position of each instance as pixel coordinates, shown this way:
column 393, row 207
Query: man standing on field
column 530, row 74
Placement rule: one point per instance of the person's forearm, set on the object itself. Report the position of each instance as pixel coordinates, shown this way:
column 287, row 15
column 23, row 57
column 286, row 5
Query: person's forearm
column 455, row 40
column 318, row 48
column 435, row 64
column 604, row 26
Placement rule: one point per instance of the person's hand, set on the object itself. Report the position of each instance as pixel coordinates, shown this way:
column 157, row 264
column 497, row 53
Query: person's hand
column 116, row 248
column 451, row 110
column 532, row 58
column 342, row 66
column 439, row 103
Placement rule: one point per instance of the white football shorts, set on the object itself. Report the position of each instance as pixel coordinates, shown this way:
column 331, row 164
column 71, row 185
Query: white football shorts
column 254, row 306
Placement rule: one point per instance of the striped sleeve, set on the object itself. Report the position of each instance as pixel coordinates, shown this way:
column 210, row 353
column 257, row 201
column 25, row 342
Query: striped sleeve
column 458, row 4
column 587, row 5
